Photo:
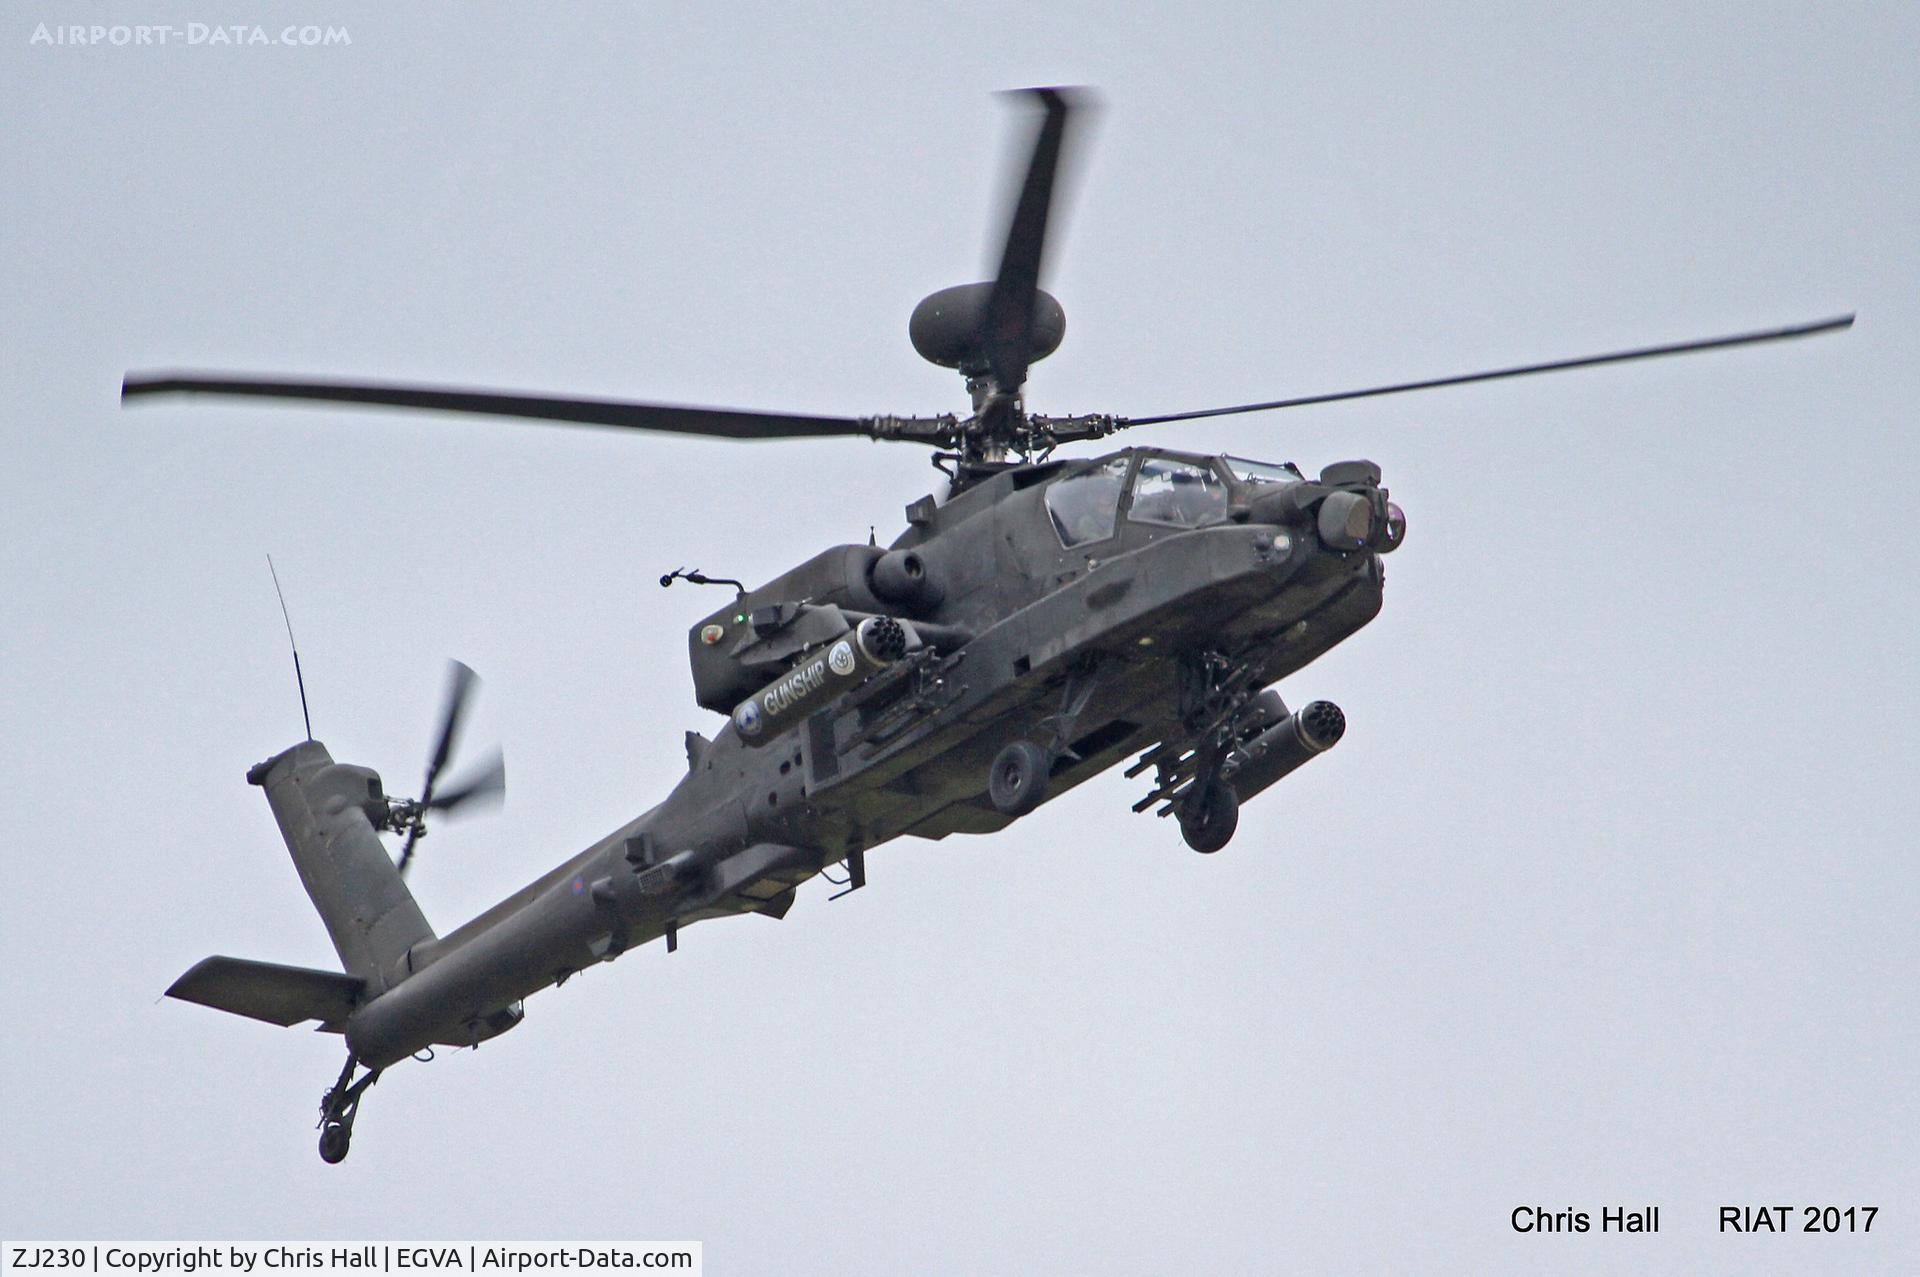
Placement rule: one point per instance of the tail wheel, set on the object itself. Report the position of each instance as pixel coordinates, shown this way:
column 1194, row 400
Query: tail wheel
column 1018, row 779
column 335, row 1139
column 1208, row 819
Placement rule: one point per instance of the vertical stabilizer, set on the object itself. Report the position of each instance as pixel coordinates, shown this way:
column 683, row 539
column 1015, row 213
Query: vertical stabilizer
column 326, row 811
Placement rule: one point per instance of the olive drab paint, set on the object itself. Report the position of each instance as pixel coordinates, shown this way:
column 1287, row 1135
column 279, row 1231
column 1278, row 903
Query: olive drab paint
column 1051, row 617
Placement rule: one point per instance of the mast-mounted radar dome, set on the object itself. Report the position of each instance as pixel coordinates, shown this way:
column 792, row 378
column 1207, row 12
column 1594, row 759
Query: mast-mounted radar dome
column 950, row 327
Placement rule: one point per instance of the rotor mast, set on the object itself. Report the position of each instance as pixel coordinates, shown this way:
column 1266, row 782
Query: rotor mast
column 993, row 332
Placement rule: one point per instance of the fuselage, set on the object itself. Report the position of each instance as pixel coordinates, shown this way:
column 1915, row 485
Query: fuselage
column 1100, row 583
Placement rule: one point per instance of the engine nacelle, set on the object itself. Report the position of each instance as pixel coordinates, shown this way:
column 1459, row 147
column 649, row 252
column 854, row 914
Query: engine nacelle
column 900, row 578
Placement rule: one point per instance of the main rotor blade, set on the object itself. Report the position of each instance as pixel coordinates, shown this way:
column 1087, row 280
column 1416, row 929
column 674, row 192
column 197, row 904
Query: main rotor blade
column 725, row 423
column 486, row 785
column 1587, row 361
column 1009, row 315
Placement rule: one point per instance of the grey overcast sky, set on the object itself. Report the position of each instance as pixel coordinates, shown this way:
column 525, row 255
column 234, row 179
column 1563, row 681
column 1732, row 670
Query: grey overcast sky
column 1608, row 897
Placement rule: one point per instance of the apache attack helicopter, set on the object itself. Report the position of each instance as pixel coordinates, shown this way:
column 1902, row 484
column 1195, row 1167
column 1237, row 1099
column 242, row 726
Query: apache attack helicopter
column 1044, row 621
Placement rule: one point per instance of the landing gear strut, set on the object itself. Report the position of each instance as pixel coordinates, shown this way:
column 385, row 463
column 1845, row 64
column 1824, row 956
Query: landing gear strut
column 1219, row 712
column 338, row 1107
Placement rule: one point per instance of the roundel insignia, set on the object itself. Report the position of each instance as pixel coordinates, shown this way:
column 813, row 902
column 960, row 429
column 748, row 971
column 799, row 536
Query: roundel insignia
column 747, row 718
column 711, row 634
column 840, row 659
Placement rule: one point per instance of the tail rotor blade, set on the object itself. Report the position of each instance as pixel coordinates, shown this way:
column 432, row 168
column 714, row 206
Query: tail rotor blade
column 460, row 684
column 486, row 786
column 406, row 849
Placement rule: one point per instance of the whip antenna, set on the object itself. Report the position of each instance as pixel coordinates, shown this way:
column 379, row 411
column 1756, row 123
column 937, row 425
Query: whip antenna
column 297, row 676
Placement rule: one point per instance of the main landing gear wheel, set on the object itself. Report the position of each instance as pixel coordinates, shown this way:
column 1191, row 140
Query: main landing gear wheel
column 335, row 1139
column 1018, row 779
column 1208, row 818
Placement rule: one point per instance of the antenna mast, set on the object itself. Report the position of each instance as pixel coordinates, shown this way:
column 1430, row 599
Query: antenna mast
column 297, row 676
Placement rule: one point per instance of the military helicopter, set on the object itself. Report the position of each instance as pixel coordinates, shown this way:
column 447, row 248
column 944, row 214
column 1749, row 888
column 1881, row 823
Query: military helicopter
column 1046, row 619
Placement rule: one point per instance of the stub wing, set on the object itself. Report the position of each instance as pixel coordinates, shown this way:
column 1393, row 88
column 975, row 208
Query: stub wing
column 269, row 991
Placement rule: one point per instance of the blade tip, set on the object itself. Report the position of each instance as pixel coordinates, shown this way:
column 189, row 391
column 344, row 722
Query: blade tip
column 1055, row 97
column 1837, row 324
column 141, row 385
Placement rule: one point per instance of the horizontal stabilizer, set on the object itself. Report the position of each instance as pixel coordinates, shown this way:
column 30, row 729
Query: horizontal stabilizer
column 271, row 992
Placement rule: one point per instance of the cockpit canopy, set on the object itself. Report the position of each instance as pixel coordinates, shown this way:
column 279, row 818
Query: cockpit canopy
column 1086, row 506
column 1180, row 492
column 1247, row 471
column 1168, row 489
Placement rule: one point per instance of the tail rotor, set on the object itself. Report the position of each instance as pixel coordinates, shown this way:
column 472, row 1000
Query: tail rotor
column 482, row 786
